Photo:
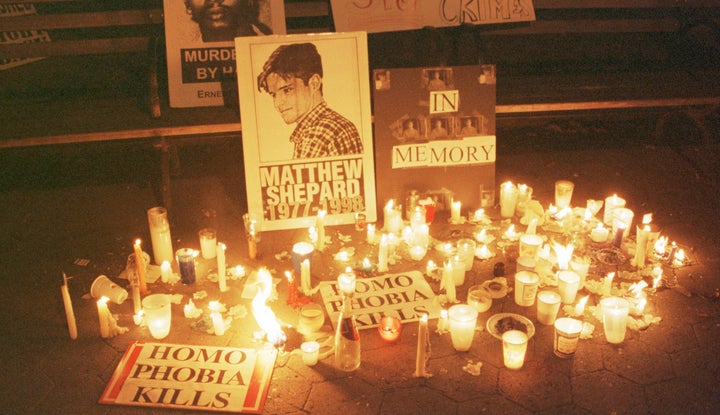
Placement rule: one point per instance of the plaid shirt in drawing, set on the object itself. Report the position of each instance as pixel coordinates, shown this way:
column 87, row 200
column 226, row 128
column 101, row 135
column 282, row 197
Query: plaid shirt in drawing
column 323, row 132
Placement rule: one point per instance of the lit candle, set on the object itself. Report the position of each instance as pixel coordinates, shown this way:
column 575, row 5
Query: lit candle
column 463, row 319
column 423, row 348
column 190, row 311
column 508, row 199
column 615, row 314
column 140, row 266
column 383, row 254
column 458, row 270
column 292, row 293
column 514, row 348
column 217, row 320
column 138, row 317
column 430, row 268
column 623, row 216
column 442, row 326
column 222, row 278
column 208, row 243
column 252, row 245
column 620, row 228
column 346, row 282
column 186, row 263
column 607, row 284
column 599, row 234
column 103, row 317
column 69, row 312
column 417, row 252
column 320, row 225
column 371, row 233
column 611, row 203
column 165, row 272
column 448, row 282
column 160, row 234
column 580, row 306
column 671, row 255
column 136, row 296
column 392, row 218
column 389, row 328
column 568, row 284
column 641, row 238
column 305, row 283
column 455, row 209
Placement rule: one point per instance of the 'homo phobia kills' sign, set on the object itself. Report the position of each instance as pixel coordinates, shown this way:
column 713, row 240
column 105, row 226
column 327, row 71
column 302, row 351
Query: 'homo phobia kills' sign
column 223, row 379
column 405, row 295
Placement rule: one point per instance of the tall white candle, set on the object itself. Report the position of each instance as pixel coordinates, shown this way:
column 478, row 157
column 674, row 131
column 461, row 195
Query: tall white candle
column 305, row 281
column 165, row 272
column 320, row 225
column 423, row 346
column 508, row 199
column 607, row 284
column 103, row 317
column 222, row 278
column 383, row 254
column 448, row 281
column 615, row 314
column 371, row 233
column 69, row 312
column 455, row 209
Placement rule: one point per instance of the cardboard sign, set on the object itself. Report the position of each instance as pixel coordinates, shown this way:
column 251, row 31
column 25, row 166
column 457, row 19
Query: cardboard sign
column 207, row 378
column 435, row 134
column 405, row 295
column 307, row 143
column 200, row 48
column 392, row 15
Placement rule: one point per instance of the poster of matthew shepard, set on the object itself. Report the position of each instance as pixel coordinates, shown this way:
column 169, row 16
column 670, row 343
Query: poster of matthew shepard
column 200, row 49
column 307, row 128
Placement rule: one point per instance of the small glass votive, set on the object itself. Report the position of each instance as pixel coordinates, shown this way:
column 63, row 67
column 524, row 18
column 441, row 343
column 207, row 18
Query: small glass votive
column 390, row 328
column 514, row 348
column 208, row 243
column 548, row 305
column 158, row 314
column 186, row 263
column 480, row 298
column 360, row 221
column 465, row 248
column 310, row 352
column 311, row 319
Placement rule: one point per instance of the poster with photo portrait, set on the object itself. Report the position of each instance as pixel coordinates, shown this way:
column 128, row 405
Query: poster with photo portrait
column 200, row 46
column 307, row 128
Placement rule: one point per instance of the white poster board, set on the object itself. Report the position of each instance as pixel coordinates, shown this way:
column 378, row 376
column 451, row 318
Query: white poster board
column 200, row 48
column 386, row 16
column 308, row 145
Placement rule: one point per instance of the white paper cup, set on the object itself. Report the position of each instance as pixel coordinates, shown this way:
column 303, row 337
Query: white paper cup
column 548, row 305
column 157, row 314
column 568, row 284
column 514, row 348
column 530, row 245
column 567, row 335
column 526, row 284
column 103, row 287
column 563, row 193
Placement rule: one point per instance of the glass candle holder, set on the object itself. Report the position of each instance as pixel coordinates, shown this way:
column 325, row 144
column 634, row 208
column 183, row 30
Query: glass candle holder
column 156, row 308
column 462, row 326
column 390, row 328
column 514, row 348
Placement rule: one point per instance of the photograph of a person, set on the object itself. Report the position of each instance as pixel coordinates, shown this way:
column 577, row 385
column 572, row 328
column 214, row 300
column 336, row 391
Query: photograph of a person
column 223, row 20
column 411, row 130
column 293, row 77
column 469, row 126
column 438, row 129
column 437, row 79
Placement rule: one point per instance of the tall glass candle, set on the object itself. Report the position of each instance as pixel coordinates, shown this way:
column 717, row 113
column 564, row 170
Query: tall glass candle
column 611, row 203
column 160, row 234
column 526, row 284
column 462, row 326
column 615, row 314
column 208, row 243
column 186, row 262
column 514, row 348
column 508, row 199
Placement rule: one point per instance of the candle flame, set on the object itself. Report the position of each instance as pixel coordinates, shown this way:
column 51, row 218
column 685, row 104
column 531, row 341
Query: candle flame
column 511, row 231
column 637, row 288
column 660, row 245
column 481, row 236
column 588, row 214
column 580, row 306
column 289, row 276
column 658, row 273
column 138, row 241
column 479, row 214
column 390, row 204
column 263, row 314
column 483, row 252
column 647, row 218
column 679, row 257
column 563, row 253
column 641, row 305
